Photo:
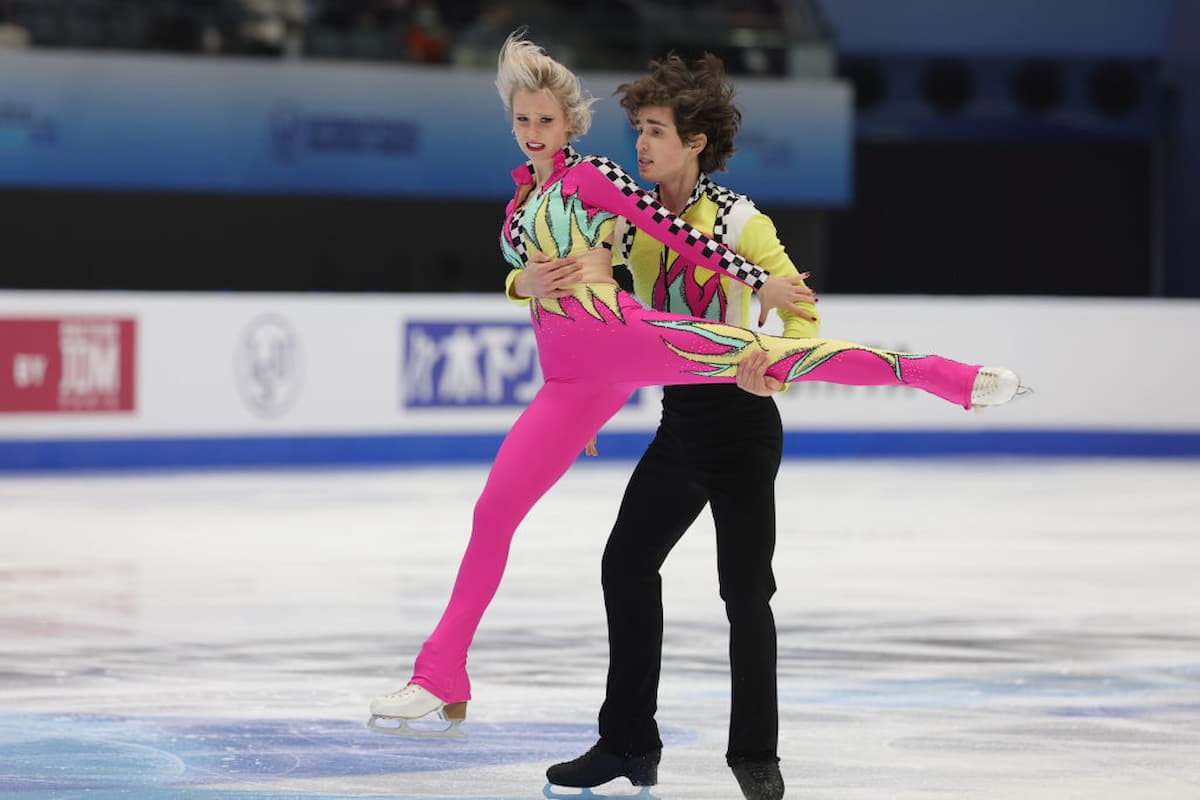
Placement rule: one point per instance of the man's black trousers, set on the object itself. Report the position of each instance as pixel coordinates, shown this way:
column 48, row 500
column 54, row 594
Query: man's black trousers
column 720, row 446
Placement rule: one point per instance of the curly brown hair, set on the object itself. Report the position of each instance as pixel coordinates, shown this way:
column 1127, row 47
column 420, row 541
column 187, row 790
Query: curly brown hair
column 699, row 96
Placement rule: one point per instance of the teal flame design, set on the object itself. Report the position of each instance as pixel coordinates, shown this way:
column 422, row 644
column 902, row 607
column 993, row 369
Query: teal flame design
column 812, row 353
column 732, row 342
column 560, row 210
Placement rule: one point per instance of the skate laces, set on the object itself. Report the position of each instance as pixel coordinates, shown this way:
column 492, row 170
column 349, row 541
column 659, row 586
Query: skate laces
column 408, row 691
column 995, row 386
column 987, row 381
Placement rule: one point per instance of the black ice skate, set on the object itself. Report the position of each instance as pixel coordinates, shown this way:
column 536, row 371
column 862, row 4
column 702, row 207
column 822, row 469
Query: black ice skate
column 759, row 780
column 598, row 766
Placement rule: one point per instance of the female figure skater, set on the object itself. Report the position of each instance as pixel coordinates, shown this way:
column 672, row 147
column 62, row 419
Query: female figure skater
column 597, row 344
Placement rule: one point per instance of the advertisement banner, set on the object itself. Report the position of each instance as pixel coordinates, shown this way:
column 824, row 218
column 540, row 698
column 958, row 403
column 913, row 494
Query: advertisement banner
column 155, row 122
column 67, row 365
column 458, row 364
column 340, row 378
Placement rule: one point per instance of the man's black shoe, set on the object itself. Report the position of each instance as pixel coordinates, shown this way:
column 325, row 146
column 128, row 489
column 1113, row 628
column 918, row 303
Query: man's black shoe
column 598, row 766
column 760, row 780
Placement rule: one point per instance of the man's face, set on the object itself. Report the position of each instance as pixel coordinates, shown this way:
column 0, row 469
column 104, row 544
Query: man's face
column 661, row 154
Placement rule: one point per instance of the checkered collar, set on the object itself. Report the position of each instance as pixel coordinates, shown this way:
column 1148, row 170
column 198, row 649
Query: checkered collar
column 563, row 160
column 703, row 184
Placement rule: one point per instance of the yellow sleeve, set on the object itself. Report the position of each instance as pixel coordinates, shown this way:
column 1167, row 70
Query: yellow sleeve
column 759, row 244
column 510, row 291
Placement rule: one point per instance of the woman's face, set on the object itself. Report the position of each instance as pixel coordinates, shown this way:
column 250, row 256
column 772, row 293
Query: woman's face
column 539, row 124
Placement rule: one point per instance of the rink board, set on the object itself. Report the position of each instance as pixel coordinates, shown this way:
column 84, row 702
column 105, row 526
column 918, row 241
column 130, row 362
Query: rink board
column 109, row 380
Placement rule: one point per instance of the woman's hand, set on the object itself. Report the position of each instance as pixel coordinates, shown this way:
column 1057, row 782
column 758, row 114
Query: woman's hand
column 785, row 292
column 591, row 448
column 548, row 277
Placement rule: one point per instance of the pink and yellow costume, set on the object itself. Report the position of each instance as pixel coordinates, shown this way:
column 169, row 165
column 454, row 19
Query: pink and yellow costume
column 599, row 345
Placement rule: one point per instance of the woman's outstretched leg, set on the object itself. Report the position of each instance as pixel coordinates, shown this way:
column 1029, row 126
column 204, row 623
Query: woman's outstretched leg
column 696, row 351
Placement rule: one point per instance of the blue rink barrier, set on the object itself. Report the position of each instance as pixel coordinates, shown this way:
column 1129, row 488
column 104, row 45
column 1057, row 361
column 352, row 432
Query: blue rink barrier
column 415, row 450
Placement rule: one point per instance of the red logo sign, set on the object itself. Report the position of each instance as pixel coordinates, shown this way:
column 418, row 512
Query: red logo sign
column 72, row 364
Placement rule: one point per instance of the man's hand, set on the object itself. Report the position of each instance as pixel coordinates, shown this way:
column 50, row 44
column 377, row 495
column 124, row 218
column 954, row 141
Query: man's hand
column 785, row 292
column 752, row 375
column 591, row 448
column 547, row 277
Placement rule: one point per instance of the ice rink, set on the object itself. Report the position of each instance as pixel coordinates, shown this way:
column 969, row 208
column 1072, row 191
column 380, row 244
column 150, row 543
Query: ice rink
column 948, row 628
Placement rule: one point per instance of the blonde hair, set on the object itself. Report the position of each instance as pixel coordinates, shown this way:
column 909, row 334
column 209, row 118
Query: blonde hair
column 524, row 67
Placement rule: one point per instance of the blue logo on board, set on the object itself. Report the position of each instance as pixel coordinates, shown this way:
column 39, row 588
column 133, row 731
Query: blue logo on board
column 295, row 133
column 21, row 122
column 469, row 364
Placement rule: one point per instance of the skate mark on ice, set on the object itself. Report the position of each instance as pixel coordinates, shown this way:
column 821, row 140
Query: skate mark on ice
column 939, row 692
column 553, row 793
column 76, row 752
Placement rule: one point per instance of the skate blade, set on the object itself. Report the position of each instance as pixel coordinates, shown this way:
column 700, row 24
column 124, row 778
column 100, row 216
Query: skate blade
column 405, row 727
column 1022, row 391
column 557, row 793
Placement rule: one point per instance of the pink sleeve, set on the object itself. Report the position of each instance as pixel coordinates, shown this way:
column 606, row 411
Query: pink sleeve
column 602, row 184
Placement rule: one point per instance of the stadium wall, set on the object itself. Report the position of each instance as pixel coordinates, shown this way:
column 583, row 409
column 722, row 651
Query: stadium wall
column 149, row 381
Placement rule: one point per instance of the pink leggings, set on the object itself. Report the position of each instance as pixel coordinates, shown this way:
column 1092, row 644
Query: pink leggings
column 595, row 349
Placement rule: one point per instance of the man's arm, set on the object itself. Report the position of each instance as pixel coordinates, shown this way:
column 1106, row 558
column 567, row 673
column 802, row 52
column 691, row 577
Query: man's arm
column 752, row 375
column 543, row 276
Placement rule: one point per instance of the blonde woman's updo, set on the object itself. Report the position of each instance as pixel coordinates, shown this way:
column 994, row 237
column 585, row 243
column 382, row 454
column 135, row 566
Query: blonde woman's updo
column 524, row 67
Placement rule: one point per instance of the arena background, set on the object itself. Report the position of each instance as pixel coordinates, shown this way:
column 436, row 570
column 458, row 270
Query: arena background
column 255, row 362
column 276, row 212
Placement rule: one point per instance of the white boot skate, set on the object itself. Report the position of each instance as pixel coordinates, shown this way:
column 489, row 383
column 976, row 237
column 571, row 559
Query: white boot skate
column 996, row 385
column 415, row 702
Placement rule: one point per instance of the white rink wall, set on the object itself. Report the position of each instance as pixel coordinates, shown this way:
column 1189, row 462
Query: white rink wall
column 140, row 380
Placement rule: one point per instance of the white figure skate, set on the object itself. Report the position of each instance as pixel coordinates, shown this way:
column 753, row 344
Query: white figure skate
column 392, row 713
column 996, row 385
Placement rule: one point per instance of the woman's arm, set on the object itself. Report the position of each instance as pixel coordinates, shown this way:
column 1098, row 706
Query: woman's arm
column 759, row 243
column 603, row 184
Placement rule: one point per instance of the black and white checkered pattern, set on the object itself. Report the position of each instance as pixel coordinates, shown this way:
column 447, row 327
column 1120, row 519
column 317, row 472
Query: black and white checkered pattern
column 727, row 260
column 572, row 158
column 625, row 245
column 516, row 235
column 725, row 200
column 703, row 184
column 629, row 232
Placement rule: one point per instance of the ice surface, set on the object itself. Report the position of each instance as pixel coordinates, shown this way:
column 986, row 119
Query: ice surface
column 984, row 629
